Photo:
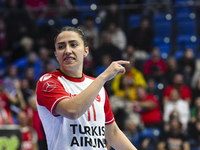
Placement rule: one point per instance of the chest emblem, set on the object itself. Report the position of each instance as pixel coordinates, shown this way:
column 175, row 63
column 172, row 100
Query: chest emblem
column 49, row 86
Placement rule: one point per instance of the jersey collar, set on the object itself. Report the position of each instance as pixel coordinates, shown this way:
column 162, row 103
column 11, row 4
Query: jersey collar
column 72, row 78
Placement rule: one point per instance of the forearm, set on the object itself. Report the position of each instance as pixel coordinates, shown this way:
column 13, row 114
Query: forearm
column 117, row 139
column 186, row 146
column 22, row 103
column 78, row 105
column 75, row 107
column 146, row 105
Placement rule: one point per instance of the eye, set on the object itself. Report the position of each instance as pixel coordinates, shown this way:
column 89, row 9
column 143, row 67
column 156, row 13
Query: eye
column 61, row 46
column 74, row 44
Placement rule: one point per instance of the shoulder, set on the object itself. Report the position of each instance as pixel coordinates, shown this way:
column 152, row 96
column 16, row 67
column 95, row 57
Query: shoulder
column 151, row 98
column 88, row 77
column 52, row 75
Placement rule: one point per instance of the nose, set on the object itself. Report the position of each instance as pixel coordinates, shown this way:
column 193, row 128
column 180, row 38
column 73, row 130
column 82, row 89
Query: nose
column 68, row 50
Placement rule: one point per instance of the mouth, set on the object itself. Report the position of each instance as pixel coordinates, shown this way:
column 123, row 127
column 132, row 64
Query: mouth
column 69, row 58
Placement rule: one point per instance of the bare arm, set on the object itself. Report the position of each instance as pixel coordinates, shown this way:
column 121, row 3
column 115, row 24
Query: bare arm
column 78, row 105
column 161, row 146
column 186, row 146
column 116, row 138
column 147, row 105
column 20, row 97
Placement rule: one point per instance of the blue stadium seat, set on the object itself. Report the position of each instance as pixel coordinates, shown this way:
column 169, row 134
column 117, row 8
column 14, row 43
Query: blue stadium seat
column 186, row 28
column 162, row 24
column 178, row 54
column 183, row 9
column 85, row 2
column 186, row 23
column 162, row 17
column 50, row 22
column 164, row 45
column 83, row 14
column 186, row 41
column 65, row 22
column 163, row 29
column 134, row 21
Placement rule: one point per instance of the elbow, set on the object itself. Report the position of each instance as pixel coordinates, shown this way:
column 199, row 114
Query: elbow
column 72, row 115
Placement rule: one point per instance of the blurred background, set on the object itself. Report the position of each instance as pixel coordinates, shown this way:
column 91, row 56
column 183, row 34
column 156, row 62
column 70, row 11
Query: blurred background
column 156, row 103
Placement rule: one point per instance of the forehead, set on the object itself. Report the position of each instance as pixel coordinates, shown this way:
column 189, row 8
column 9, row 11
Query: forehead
column 67, row 36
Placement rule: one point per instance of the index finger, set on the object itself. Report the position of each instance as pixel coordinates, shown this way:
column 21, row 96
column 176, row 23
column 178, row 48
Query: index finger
column 121, row 62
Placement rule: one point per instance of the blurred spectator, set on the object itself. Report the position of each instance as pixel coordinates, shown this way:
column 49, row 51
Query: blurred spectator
column 147, row 105
column 29, row 136
column 19, row 95
column 131, row 53
column 178, row 83
column 142, row 37
column 66, row 8
column 48, row 67
column 194, row 131
column 173, row 139
column 3, row 37
column 196, row 91
column 29, row 75
column 45, row 58
column 172, row 69
column 140, row 138
column 138, row 9
column 111, row 14
column 2, row 66
column 187, row 64
column 30, row 61
column 195, row 109
column 155, row 67
column 24, row 48
column 88, row 64
column 196, row 74
column 18, row 23
column 91, row 32
column 10, row 76
column 26, row 91
column 181, row 106
column 105, row 62
column 36, row 123
column 45, row 34
column 152, row 89
column 38, row 7
column 118, row 36
column 107, row 48
column 125, row 85
column 35, row 4
column 5, row 101
column 158, row 6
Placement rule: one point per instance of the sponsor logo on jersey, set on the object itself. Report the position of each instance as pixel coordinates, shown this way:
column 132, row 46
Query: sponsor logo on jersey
column 49, row 86
column 45, row 77
column 98, row 98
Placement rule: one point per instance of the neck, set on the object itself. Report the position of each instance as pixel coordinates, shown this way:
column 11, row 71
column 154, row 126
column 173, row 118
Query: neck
column 72, row 74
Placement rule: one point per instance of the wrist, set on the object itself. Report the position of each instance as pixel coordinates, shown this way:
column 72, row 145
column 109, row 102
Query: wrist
column 102, row 78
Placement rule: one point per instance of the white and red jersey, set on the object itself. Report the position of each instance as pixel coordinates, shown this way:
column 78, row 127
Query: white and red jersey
column 86, row 132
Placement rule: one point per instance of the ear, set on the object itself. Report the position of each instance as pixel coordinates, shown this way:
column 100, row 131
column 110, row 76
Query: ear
column 55, row 55
column 86, row 51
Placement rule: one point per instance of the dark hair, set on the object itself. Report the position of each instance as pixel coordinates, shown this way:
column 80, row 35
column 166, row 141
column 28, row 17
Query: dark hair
column 77, row 30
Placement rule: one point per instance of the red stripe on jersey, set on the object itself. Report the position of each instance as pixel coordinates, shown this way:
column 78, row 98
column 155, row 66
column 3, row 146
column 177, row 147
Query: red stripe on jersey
column 88, row 114
column 94, row 112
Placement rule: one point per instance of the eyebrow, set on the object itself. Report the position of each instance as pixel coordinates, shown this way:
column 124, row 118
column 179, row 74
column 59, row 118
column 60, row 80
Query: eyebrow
column 72, row 41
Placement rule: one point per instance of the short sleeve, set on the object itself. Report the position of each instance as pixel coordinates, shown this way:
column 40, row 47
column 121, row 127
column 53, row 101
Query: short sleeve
column 49, row 92
column 109, row 117
column 167, row 92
